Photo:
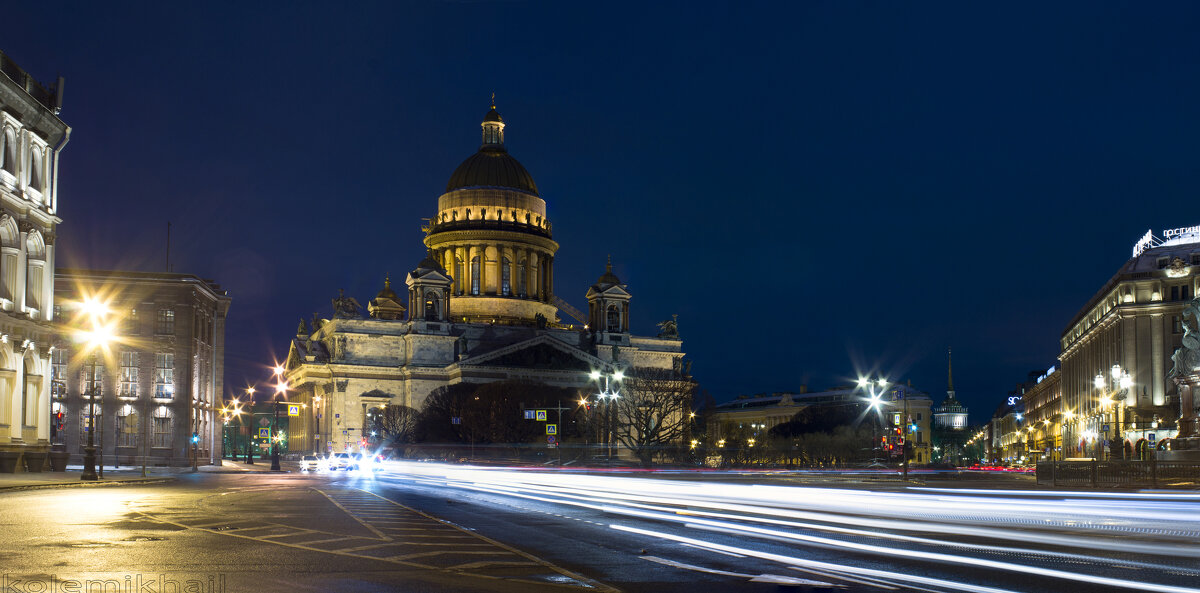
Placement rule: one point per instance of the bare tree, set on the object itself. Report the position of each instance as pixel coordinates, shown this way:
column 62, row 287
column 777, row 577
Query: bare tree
column 653, row 413
column 397, row 425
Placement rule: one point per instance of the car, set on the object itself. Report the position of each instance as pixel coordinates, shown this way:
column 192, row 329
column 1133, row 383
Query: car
column 341, row 461
column 309, row 463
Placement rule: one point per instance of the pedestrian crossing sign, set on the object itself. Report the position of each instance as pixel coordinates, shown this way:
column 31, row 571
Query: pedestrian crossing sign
column 293, row 409
column 264, row 433
column 541, row 415
column 551, row 429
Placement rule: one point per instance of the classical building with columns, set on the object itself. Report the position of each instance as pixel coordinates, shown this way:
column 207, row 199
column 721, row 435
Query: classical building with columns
column 480, row 308
column 1116, row 351
column 31, row 139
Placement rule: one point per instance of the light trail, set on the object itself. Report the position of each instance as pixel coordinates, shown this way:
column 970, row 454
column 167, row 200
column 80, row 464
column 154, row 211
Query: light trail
column 1125, row 535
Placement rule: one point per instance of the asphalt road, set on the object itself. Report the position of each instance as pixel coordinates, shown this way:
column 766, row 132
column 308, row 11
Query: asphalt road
column 427, row 527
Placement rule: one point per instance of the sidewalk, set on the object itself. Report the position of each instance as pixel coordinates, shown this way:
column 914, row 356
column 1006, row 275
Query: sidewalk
column 112, row 476
column 261, row 466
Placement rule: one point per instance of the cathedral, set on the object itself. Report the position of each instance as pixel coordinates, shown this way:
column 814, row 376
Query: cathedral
column 480, row 307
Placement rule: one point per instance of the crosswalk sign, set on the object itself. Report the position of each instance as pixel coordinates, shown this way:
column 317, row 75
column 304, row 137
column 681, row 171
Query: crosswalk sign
column 264, row 433
column 541, row 415
column 551, row 429
column 293, row 409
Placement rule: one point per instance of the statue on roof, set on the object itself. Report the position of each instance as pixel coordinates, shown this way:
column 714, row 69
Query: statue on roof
column 669, row 329
column 345, row 307
column 302, row 331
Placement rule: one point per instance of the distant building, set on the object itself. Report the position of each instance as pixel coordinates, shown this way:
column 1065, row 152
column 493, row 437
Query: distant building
column 31, row 138
column 481, row 307
column 166, row 364
column 1043, row 417
column 950, row 422
column 1131, row 325
column 756, row 415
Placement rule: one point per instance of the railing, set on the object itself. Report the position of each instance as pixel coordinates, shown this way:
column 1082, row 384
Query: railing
column 1107, row 474
column 499, row 225
column 43, row 95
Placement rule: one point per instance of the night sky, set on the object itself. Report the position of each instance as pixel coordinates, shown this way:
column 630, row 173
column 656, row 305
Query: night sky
column 816, row 190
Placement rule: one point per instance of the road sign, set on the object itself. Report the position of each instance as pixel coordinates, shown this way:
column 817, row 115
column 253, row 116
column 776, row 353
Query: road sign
column 550, row 439
column 264, row 433
column 263, row 422
column 551, row 429
column 541, row 415
column 456, row 420
column 293, row 409
column 530, row 415
column 1103, row 428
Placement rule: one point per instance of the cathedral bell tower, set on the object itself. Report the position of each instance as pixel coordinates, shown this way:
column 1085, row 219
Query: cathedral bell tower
column 608, row 309
column 492, row 236
column 429, row 297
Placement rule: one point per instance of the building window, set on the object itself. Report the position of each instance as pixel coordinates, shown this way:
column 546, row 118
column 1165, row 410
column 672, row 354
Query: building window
column 1176, row 324
column 164, row 375
column 58, row 365
column 505, row 276
column 132, row 324
column 1163, row 262
column 7, row 152
column 92, row 385
column 1185, row 292
column 614, row 319
column 84, row 419
column 521, row 289
column 475, row 275
column 1174, row 293
column 458, row 277
column 1196, row 259
column 129, row 374
column 432, row 306
column 127, row 428
column 166, row 322
column 162, row 433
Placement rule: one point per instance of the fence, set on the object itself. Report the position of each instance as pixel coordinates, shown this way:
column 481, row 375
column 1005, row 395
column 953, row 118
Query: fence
column 1128, row 474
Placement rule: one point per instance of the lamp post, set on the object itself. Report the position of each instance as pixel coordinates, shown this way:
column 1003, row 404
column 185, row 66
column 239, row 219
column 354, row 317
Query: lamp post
column 608, row 385
column 874, row 402
column 97, row 339
column 280, row 389
column 1112, row 390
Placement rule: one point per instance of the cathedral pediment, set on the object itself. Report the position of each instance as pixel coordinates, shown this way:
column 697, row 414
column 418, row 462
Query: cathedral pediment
column 541, row 352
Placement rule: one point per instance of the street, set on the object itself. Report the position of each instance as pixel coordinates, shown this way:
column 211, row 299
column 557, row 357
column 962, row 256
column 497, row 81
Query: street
column 434, row 527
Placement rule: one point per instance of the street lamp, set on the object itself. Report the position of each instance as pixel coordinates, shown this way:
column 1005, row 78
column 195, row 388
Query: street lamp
column 280, row 389
column 98, row 338
column 1113, row 390
column 608, row 385
column 874, row 402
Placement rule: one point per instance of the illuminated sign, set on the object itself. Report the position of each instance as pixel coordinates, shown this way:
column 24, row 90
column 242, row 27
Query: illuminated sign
column 293, row 410
column 1013, row 399
column 541, row 415
column 1187, row 232
column 1146, row 242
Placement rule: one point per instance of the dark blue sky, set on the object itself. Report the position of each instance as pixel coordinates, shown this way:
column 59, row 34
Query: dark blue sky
column 814, row 189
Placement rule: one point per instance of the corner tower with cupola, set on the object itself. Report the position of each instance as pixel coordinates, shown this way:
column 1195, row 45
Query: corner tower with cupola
column 492, row 237
column 608, row 309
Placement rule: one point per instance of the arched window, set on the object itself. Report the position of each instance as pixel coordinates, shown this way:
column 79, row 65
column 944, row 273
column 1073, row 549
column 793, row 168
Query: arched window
column 613, row 321
column 35, row 169
column 9, row 250
column 8, row 152
column 432, row 306
column 29, row 388
column 475, row 275
column 505, row 276
column 522, row 290
column 458, row 277
column 35, row 263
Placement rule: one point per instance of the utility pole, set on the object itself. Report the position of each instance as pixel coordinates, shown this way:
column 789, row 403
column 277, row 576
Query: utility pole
column 560, row 431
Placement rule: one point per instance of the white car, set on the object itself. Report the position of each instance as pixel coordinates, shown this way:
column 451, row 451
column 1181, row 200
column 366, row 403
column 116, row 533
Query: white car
column 341, row 461
column 309, row 463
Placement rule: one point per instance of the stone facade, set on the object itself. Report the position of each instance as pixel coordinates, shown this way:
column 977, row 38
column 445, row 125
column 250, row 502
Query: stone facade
column 480, row 308
column 166, row 364
column 31, row 139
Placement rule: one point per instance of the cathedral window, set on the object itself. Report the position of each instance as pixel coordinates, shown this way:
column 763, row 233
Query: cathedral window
column 475, row 275
column 521, row 288
column 432, row 306
column 458, row 277
column 613, row 319
column 505, row 276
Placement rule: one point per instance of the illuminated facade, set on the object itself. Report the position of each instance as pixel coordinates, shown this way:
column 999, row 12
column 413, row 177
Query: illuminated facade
column 1134, row 323
column 166, row 365
column 31, row 139
column 479, row 308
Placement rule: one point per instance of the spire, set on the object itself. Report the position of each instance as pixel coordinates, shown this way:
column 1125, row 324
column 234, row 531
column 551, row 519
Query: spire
column 950, row 372
column 387, row 281
column 608, row 268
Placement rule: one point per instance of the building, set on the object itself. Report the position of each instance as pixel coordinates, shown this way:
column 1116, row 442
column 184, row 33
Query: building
column 31, row 139
column 1044, row 417
column 1116, row 351
column 165, row 363
column 754, row 416
column 950, row 432
column 481, row 307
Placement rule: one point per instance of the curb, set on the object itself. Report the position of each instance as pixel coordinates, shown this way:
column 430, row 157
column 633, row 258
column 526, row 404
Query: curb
column 83, row 484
